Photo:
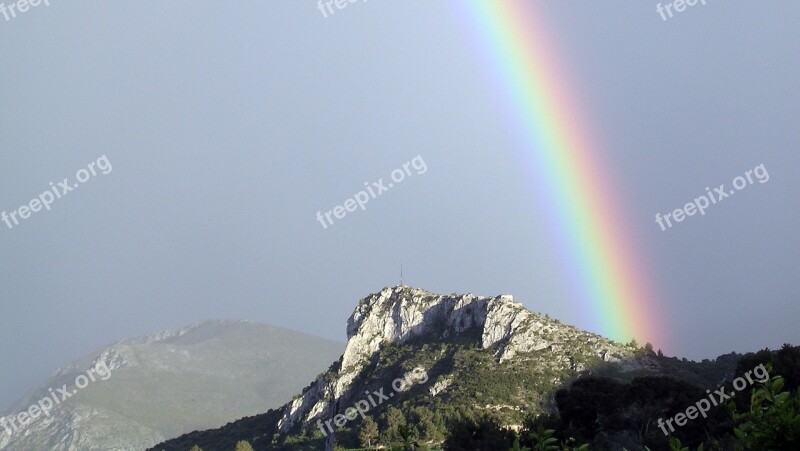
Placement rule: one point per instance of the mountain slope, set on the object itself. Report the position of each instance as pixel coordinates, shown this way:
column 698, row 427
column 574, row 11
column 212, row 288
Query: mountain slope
column 170, row 383
column 462, row 357
column 403, row 316
column 479, row 355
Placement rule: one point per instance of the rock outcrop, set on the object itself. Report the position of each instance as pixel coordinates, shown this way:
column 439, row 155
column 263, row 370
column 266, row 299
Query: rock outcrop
column 400, row 314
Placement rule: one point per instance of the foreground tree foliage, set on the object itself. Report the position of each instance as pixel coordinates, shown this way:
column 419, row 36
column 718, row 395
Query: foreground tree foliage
column 773, row 421
column 610, row 414
column 600, row 413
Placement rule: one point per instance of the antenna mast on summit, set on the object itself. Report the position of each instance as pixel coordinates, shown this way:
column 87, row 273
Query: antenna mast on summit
column 401, row 274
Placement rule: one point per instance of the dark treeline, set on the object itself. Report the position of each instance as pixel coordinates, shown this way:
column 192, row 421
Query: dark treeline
column 602, row 413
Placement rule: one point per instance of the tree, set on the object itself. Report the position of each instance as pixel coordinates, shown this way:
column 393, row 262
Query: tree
column 543, row 439
column 516, row 447
column 243, row 445
column 773, row 421
column 368, row 433
column 785, row 362
column 482, row 434
column 407, row 435
column 430, row 425
column 394, row 420
column 676, row 445
column 196, row 448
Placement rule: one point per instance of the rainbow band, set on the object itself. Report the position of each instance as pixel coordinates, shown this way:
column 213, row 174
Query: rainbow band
column 564, row 161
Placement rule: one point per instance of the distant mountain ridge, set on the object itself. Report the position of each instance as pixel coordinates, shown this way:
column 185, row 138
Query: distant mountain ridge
column 170, row 383
column 481, row 354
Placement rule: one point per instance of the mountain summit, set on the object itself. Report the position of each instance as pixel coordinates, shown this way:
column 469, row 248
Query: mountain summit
column 400, row 315
column 478, row 354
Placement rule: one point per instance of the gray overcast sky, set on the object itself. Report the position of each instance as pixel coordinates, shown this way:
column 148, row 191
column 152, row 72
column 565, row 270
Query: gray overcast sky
column 229, row 125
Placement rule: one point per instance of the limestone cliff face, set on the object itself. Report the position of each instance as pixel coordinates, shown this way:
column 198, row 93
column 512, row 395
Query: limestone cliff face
column 397, row 315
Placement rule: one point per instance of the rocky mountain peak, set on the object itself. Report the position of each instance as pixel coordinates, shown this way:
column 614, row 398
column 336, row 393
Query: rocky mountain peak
column 396, row 315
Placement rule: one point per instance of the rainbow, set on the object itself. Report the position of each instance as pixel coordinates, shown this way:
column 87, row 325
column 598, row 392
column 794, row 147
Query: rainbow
column 564, row 161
